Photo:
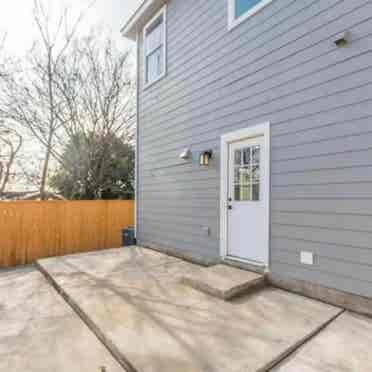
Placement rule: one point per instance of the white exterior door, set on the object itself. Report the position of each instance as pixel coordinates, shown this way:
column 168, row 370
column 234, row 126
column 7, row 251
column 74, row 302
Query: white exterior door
column 246, row 205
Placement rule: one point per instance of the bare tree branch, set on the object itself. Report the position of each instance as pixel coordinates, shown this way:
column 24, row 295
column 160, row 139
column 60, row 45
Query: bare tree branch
column 99, row 105
column 10, row 145
column 29, row 95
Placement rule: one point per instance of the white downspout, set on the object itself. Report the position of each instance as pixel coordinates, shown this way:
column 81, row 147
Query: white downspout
column 137, row 135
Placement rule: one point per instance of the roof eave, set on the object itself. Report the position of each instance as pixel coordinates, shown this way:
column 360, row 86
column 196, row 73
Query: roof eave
column 140, row 17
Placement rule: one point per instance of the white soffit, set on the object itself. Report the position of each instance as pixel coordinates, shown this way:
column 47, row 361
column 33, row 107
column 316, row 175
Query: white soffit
column 140, row 17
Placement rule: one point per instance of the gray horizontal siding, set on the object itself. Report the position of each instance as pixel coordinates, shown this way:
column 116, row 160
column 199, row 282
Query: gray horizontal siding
column 181, row 230
column 344, row 159
column 292, row 113
column 330, row 251
column 323, row 176
column 345, row 121
column 181, row 241
column 280, row 66
column 300, row 50
column 324, row 234
column 325, row 191
column 182, row 220
column 334, row 266
column 293, row 26
column 343, row 221
column 322, row 277
column 328, row 205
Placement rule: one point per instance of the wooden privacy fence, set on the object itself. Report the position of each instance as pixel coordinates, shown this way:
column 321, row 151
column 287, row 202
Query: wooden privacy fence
column 35, row 229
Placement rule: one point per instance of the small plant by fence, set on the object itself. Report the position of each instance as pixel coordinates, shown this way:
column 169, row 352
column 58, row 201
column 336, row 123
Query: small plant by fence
column 30, row 230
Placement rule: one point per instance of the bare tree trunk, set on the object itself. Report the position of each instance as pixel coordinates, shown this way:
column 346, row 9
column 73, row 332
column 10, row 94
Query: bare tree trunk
column 44, row 175
column 6, row 174
column 10, row 143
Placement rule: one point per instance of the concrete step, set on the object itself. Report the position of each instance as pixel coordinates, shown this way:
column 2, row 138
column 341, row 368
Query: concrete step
column 224, row 282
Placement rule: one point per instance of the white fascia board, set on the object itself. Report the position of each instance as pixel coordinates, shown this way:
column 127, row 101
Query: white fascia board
column 143, row 13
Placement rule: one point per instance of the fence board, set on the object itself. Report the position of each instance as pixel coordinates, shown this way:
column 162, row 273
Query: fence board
column 35, row 229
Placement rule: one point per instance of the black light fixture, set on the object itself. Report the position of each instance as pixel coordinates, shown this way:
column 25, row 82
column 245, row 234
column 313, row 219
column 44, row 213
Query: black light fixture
column 342, row 40
column 205, row 157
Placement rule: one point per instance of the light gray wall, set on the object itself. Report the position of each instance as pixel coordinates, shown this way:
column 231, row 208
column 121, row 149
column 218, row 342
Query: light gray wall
column 280, row 66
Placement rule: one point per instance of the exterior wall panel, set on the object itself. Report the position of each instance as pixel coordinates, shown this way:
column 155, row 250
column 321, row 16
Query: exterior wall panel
column 282, row 66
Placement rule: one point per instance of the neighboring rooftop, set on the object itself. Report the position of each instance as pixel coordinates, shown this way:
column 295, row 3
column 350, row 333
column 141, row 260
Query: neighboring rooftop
column 30, row 195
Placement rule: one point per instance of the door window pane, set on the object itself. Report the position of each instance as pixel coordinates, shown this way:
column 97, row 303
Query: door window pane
column 247, row 156
column 256, row 173
column 242, row 193
column 256, row 154
column 247, row 174
column 242, row 175
column 238, row 157
column 256, row 192
column 236, row 175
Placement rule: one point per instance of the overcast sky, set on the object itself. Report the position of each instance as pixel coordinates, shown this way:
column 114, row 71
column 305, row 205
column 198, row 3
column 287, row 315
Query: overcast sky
column 16, row 18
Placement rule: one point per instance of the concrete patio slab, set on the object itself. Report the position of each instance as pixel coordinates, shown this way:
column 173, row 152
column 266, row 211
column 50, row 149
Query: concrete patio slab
column 344, row 346
column 39, row 332
column 99, row 263
column 155, row 324
column 223, row 281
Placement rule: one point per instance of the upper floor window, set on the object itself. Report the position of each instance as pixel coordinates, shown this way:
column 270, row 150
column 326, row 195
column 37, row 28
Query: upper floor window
column 155, row 48
column 239, row 10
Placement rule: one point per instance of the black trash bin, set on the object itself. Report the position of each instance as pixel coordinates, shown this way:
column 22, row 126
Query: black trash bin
column 128, row 237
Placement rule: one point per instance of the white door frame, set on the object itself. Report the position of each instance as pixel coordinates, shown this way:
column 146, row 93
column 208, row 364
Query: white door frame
column 226, row 139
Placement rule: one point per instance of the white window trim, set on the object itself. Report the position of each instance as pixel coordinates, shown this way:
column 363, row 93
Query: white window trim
column 233, row 22
column 163, row 11
column 226, row 140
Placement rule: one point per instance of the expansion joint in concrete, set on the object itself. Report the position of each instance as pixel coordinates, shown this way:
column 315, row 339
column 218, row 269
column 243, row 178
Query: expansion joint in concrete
column 110, row 346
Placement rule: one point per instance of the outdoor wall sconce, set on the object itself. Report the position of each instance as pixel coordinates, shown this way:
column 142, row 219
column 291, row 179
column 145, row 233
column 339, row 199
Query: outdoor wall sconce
column 342, row 40
column 185, row 154
column 205, row 157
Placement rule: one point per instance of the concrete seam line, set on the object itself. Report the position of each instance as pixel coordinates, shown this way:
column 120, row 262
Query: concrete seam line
column 111, row 348
column 302, row 342
column 184, row 257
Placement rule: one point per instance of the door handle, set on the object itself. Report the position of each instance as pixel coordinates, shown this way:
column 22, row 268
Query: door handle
column 229, row 207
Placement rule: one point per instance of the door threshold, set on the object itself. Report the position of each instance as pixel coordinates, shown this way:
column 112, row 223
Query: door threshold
column 244, row 264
